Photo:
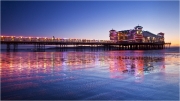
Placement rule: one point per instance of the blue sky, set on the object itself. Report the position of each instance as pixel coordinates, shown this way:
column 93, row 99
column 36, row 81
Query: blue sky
column 88, row 19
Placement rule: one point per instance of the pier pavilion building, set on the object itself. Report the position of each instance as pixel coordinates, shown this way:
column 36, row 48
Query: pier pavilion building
column 136, row 35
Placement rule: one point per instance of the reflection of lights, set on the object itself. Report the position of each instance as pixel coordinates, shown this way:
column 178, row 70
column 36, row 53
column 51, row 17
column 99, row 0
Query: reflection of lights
column 117, row 64
column 20, row 63
column 45, row 64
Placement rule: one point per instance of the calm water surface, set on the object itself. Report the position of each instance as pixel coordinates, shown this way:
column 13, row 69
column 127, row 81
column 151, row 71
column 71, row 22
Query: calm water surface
column 103, row 75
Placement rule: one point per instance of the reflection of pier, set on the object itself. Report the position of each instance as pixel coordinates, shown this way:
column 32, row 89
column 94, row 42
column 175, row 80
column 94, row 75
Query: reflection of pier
column 136, row 65
column 49, row 62
column 62, row 44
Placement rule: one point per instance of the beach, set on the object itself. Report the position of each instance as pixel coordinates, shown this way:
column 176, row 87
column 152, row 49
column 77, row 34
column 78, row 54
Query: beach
column 90, row 75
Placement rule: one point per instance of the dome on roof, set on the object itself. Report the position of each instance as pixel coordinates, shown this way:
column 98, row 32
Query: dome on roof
column 112, row 30
column 138, row 27
column 161, row 33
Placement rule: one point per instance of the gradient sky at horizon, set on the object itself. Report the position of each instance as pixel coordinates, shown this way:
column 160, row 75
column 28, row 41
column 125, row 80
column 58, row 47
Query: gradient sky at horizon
column 88, row 19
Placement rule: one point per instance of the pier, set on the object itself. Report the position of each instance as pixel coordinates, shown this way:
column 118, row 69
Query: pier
column 12, row 43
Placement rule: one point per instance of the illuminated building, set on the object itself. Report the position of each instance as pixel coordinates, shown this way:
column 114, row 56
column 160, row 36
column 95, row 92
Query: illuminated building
column 113, row 34
column 135, row 35
column 122, row 35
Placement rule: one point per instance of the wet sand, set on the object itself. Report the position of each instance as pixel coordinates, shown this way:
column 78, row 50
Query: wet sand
column 102, row 75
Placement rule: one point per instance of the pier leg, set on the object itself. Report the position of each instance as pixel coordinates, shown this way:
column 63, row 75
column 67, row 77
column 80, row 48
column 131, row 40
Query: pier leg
column 15, row 46
column 8, row 47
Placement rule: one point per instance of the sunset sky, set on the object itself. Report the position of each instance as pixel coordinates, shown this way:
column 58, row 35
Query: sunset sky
column 88, row 19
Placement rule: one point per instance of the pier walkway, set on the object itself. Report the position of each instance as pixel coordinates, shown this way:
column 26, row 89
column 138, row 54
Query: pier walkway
column 40, row 43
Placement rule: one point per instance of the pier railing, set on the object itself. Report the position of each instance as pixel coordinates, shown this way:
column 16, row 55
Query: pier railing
column 62, row 40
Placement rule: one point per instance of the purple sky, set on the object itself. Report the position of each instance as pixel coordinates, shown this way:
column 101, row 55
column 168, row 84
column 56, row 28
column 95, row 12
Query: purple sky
column 91, row 19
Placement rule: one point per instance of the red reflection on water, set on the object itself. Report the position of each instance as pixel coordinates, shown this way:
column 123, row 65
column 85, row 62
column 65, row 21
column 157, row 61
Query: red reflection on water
column 136, row 64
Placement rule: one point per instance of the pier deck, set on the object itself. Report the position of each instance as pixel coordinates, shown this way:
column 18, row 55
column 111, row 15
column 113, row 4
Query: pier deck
column 40, row 45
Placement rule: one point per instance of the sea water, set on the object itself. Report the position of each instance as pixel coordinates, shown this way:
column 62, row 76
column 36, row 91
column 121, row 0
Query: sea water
column 90, row 75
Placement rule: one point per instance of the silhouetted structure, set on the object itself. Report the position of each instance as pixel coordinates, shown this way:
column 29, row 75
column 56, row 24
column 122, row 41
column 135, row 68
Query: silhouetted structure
column 40, row 43
column 135, row 35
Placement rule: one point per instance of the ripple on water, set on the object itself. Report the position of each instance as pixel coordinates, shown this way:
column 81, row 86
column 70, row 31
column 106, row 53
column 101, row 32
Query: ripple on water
column 110, row 75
